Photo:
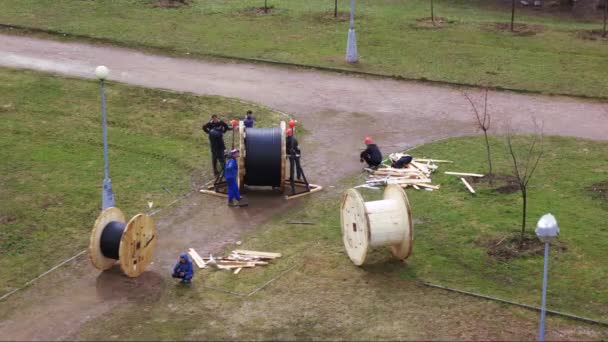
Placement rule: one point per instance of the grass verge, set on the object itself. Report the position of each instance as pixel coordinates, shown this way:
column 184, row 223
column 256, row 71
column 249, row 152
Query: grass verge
column 326, row 297
column 469, row 49
column 52, row 160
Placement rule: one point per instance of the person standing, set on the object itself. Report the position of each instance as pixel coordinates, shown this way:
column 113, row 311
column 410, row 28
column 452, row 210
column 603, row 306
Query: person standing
column 231, row 173
column 216, row 128
column 249, row 120
column 293, row 151
column 371, row 155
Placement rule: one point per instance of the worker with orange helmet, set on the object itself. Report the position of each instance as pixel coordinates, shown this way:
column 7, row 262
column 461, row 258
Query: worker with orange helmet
column 371, row 155
column 293, row 152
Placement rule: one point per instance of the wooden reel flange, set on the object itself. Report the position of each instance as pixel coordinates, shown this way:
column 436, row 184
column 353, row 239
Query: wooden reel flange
column 387, row 222
column 130, row 243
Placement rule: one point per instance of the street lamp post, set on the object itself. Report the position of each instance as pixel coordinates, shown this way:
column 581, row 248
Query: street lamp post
column 107, row 196
column 351, row 46
column 546, row 230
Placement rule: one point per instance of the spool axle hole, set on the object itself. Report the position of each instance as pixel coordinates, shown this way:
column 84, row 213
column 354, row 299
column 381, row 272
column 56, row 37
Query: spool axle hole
column 354, row 227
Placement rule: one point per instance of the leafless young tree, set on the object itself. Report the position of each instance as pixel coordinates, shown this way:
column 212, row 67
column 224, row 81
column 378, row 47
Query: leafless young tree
column 335, row 8
column 605, row 17
column 432, row 12
column 524, row 165
column 265, row 6
column 483, row 122
column 512, row 14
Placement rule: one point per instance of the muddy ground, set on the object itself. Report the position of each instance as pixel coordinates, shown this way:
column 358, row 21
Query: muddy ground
column 338, row 110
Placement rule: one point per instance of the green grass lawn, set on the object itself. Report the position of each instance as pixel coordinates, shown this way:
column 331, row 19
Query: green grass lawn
column 469, row 50
column 326, row 297
column 52, row 160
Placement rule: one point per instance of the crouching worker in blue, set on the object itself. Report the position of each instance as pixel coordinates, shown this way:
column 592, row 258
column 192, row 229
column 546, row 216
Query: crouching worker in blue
column 183, row 269
column 231, row 173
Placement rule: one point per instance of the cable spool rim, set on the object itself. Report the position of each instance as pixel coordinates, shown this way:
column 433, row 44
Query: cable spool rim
column 96, row 256
column 355, row 226
column 404, row 249
column 283, row 155
column 241, row 163
column 137, row 245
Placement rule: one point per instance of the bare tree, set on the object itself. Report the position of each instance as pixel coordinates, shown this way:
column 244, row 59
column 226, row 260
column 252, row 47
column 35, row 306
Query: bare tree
column 524, row 165
column 605, row 16
column 512, row 14
column 432, row 12
column 483, row 122
column 335, row 8
column 265, row 6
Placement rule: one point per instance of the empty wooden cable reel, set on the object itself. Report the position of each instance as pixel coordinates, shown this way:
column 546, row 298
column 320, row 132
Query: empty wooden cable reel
column 130, row 243
column 387, row 222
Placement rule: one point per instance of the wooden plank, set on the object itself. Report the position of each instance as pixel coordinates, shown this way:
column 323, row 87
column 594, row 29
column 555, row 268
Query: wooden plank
column 313, row 188
column 196, row 258
column 238, row 270
column 265, row 254
column 423, row 160
column 468, row 185
column 430, row 186
column 463, row 174
column 415, row 186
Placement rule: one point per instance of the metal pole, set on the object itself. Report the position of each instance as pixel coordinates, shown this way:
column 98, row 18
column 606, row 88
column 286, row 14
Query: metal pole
column 351, row 46
column 107, row 196
column 541, row 328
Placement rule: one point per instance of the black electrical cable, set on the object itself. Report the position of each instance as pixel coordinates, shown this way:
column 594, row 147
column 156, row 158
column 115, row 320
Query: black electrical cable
column 110, row 239
column 263, row 157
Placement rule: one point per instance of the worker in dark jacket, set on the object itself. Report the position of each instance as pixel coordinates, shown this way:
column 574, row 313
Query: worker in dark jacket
column 372, row 155
column 400, row 161
column 231, row 174
column 293, row 152
column 216, row 128
column 183, row 269
column 248, row 122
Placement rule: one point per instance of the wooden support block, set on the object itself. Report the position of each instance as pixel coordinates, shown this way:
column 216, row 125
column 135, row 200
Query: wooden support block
column 463, row 174
column 430, row 186
column 211, row 192
column 415, row 186
column 257, row 253
column 468, row 185
column 238, row 270
column 313, row 188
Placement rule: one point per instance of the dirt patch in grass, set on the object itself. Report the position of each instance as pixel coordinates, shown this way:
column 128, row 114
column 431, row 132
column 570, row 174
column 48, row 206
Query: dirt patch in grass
column 257, row 10
column 600, row 190
column 427, row 22
column 171, row 3
column 509, row 247
column 7, row 219
column 504, row 184
column 518, row 28
column 329, row 16
column 592, row 35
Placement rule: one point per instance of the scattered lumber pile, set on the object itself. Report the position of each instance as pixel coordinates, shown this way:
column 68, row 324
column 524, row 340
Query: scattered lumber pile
column 417, row 175
column 464, row 181
column 237, row 260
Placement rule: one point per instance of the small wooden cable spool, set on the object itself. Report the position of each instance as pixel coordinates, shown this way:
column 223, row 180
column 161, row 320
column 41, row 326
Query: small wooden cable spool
column 130, row 243
column 387, row 222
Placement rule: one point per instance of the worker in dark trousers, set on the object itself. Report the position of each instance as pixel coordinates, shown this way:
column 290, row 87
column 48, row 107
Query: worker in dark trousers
column 400, row 161
column 216, row 128
column 249, row 120
column 231, row 174
column 293, row 152
column 372, row 155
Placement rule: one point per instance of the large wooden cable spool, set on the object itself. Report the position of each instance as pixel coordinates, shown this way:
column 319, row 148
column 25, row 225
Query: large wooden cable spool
column 387, row 222
column 130, row 243
column 263, row 155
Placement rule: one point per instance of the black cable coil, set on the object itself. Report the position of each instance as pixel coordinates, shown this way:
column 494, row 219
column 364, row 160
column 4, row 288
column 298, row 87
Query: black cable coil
column 263, row 157
column 110, row 239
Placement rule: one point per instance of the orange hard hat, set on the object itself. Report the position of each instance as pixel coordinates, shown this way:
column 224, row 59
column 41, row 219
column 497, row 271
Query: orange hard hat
column 368, row 140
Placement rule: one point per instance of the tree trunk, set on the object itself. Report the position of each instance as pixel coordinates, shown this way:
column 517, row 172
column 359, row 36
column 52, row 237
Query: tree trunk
column 432, row 13
column 335, row 8
column 605, row 15
column 512, row 14
column 265, row 6
column 524, row 208
column 485, row 133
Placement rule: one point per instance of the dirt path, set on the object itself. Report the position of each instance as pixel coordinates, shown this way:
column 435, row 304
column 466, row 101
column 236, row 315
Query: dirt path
column 339, row 110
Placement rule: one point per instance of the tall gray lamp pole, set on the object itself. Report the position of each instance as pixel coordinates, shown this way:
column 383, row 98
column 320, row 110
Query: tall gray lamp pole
column 546, row 230
column 107, row 196
column 351, row 46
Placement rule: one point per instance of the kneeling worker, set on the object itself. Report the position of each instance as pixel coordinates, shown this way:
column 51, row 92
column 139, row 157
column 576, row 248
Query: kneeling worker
column 231, row 173
column 183, row 269
column 400, row 161
column 372, row 155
